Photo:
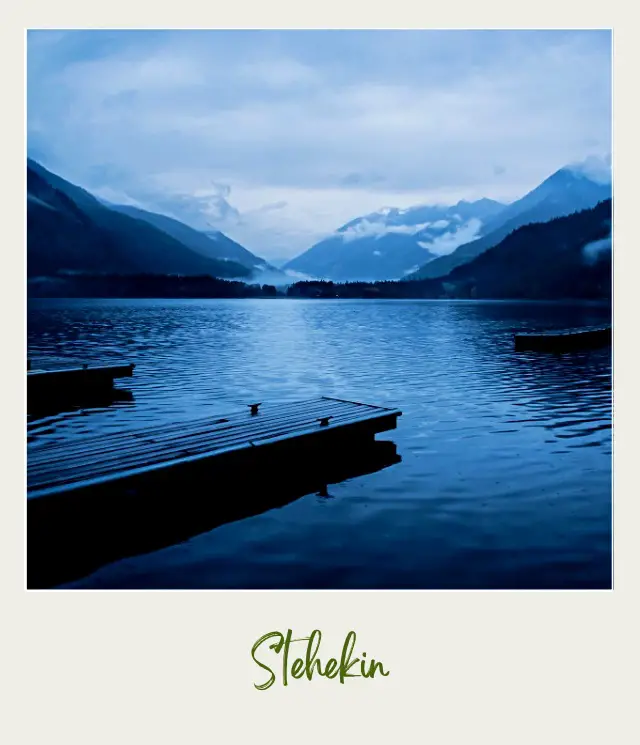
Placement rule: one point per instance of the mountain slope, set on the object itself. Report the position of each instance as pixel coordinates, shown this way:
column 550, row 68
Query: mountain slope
column 68, row 229
column 389, row 255
column 393, row 242
column 60, row 235
column 565, row 257
column 564, row 192
column 212, row 244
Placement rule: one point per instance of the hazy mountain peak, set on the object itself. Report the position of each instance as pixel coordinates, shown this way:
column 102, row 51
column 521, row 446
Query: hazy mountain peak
column 595, row 168
column 567, row 190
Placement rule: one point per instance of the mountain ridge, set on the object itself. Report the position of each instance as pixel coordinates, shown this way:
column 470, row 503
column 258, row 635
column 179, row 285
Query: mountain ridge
column 70, row 230
column 563, row 193
column 568, row 257
column 450, row 235
column 393, row 242
column 211, row 244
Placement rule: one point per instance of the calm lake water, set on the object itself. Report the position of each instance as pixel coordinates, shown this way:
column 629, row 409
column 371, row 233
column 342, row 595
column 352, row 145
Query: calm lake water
column 505, row 478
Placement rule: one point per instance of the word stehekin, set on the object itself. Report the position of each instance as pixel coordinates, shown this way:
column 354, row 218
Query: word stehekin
column 308, row 666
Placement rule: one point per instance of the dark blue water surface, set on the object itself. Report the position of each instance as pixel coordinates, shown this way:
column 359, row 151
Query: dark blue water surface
column 505, row 478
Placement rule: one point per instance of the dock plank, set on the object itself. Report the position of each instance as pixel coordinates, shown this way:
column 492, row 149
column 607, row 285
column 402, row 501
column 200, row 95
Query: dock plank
column 186, row 428
column 78, row 373
column 185, row 444
column 187, row 433
column 240, row 415
column 218, row 436
column 62, row 467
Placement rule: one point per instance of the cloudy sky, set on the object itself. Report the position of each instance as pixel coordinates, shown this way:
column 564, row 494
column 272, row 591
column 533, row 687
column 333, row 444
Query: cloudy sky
column 279, row 137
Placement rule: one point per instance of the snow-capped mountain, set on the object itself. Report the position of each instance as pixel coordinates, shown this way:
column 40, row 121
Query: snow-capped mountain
column 392, row 243
column 566, row 191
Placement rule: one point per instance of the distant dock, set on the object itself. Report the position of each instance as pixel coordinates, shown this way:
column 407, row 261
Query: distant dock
column 566, row 340
column 50, row 386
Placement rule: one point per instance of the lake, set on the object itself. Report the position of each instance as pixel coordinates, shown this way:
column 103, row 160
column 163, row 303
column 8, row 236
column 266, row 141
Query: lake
column 505, row 472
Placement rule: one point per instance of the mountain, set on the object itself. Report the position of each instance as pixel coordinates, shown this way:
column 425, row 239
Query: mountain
column 383, row 257
column 392, row 243
column 60, row 235
column 212, row 244
column 232, row 250
column 565, row 258
column 564, row 192
column 69, row 230
column 279, row 262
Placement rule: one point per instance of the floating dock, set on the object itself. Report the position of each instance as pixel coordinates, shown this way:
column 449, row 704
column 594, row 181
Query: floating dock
column 280, row 429
column 70, row 537
column 47, row 389
column 566, row 340
column 104, row 498
column 75, row 378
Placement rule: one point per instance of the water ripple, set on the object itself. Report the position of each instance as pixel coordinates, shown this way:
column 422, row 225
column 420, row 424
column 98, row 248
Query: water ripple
column 506, row 470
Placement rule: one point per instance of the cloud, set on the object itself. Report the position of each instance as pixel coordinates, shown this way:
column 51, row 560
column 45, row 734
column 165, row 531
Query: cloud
column 441, row 245
column 278, row 74
column 597, row 168
column 273, row 207
column 203, row 209
column 333, row 123
column 448, row 242
column 411, row 270
column 361, row 179
column 293, row 275
column 593, row 250
column 376, row 229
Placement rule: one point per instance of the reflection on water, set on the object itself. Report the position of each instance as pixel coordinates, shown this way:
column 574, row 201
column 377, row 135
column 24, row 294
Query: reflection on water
column 70, row 537
column 40, row 408
column 505, row 479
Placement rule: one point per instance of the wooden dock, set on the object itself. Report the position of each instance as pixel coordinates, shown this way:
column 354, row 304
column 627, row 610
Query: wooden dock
column 69, row 537
column 74, row 378
column 565, row 340
column 104, row 498
column 57, row 389
column 278, row 428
